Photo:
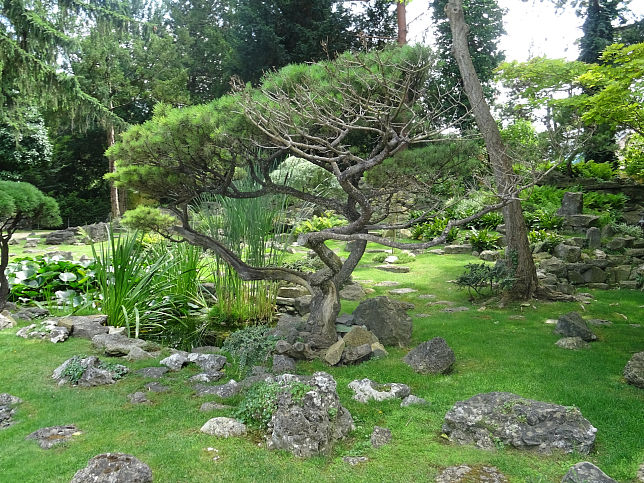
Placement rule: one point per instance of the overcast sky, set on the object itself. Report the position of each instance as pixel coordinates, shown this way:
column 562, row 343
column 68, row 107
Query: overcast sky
column 533, row 28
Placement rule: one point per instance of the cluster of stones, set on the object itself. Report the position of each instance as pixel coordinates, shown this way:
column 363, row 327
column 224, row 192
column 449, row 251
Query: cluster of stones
column 94, row 372
column 96, row 232
column 574, row 331
column 7, row 409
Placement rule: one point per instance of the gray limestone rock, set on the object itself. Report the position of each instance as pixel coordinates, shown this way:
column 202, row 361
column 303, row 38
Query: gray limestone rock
column 208, row 362
column 352, row 291
column 467, row 474
column 586, row 472
column 431, row 357
column 213, row 406
column 567, row 253
column 634, row 370
column 119, row 345
column 152, row 372
column 412, row 400
column 85, row 327
column 92, row 372
column 386, row 319
column 223, row 427
column 114, row 468
column 571, row 204
column 138, row 354
column 333, row 354
column 393, row 268
column 366, row 390
column 594, row 237
column 230, row 389
column 47, row 438
column 573, row 325
column 572, row 343
column 356, row 354
column 175, row 361
column 486, row 420
column 156, row 387
column 283, row 364
column 7, row 409
column 138, row 398
column 6, row 321
column 355, row 460
column 380, row 436
column 458, row 249
column 30, row 313
column 310, row 425
column 207, row 377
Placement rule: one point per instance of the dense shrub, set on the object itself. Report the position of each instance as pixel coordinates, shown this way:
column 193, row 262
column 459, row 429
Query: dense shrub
column 432, row 229
column 483, row 277
column 591, row 169
column 260, row 402
column 484, row 239
column 250, row 346
column 549, row 240
column 319, row 223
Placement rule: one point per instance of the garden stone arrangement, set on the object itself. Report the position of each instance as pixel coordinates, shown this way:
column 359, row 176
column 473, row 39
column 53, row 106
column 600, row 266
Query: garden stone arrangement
column 47, row 438
column 88, row 372
column 500, row 418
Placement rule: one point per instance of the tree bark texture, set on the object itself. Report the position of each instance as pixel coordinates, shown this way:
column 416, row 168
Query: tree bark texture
column 519, row 254
column 401, row 15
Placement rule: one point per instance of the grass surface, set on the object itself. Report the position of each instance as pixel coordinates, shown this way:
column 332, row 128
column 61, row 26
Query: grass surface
column 509, row 349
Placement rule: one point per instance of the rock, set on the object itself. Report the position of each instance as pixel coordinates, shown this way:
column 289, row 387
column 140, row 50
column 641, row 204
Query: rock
column 334, row 353
column 208, row 362
column 85, row 327
column 352, row 291
column 138, row 354
column 617, row 243
column 207, row 377
column 118, row 345
column 93, row 372
column 355, row 460
column 288, row 328
column 571, row 204
column 156, row 387
column 431, row 357
column 292, row 292
column 594, row 275
column 175, row 361
column 387, row 283
column 366, row 390
column 358, row 335
column 466, row 474
column 486, row 420
column 224, row 427
column 567, row 253
column 213, row 406
column 6, row 321
column 302, row 304
column 152, row 372
column 47, row 438
column 58, row 334
column 206, row 349
column 594, row 238
column 640, row 473
column 402, row 291
column 452, row 310
column 283, row 364
column 572, row 343
column 586, row 471
column 7, row 410
column 138, row 398
column 356, row 354
column 458, row 249
column 386, row 319
column 114, row 468
column 393, row 268
column 311, row 425
column 634, row 370
column 230, row 389
column 573, row 325
column 412, row 400
column 380, row 436
column 378, row 350
column 490, row 255
column 599, row 322
column 580, row 222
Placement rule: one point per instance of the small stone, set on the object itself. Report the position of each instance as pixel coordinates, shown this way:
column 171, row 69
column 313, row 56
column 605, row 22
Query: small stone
column 393, row 268
column 571, row 343
column 573, row 325
column 156, row 387
column 586, row 471
column 207, row 377
column 138, row 398
column 230, row 389
column 465, row 473
column 380, row 436
column 450, row 310
column 224, row 427
column 152, row 372
column 175, row 362
column 365, row 390
column 387, row 283
column 114, row 468
column 213, row 406
column 334, row 353
column 283, row 364
column 47, row 438
column 431, row 357
column 412, row 400
column 355, row 460
column 634, row 370
column 138, row 354
column 599, row 322
column 6, row 321
column 402, row 291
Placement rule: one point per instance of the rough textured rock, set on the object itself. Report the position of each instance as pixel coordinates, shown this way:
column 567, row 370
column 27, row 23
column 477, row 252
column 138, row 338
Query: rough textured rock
column 213, row 406
column 137, row 398
column 356, row 354
column 571, row 204
column 208, row 362
column 490, row 255
column 207, row 377
column 114, row 468
column 333, row 354
column 30, row 313
column 7, row 410
column 283, row 364
column 386, row 319
column 366, row 390
column 95, row 372
column 152, row 372
column 501, row 417
column 156, row 387
column 62, row 237
column 572, row 343
column 118, row 345
column 573, row 325
column 393, row 268
column 358, row 336
column 47, row 329
column 138, row 354
column 352, row 291
column 586, row 472
column 355, row 460
column 47, row 438
column 634, row 370
column 85, row 327
column 431, row 357
column 6, row 321
column 402, row 291
column 594, row 238
column 311, row 425
column 412, row 400
column 175, row 361
column 230, row 389
column 470, row 474
column 380, row 436
column 224, row 427
column 567, row 253
column 458, row 249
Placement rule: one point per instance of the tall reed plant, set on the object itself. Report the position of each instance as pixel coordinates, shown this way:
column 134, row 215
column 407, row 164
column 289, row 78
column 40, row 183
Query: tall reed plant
column 136, row 287
column 247, row 227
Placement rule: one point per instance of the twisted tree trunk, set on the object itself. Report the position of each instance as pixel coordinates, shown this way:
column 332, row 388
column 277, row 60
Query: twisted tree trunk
column 519, row 255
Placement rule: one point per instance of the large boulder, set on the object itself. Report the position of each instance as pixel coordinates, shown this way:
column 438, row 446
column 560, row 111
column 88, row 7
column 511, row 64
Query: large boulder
column 311, row 425
column 491, row 419
column 352, row 291
column 431, row 357
column 86, row 326
column 634, row 370
column 118, row 345
column 114, row 468
column 573, row 325
column 571, row 204
column 586, row 471
column 387, row 320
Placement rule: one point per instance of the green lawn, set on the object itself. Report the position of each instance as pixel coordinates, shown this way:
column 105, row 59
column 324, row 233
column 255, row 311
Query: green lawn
column 495, row 351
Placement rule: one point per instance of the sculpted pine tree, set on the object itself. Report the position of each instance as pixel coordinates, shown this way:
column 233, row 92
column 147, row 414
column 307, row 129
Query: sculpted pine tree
column 348, row 117
column 519, row 254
